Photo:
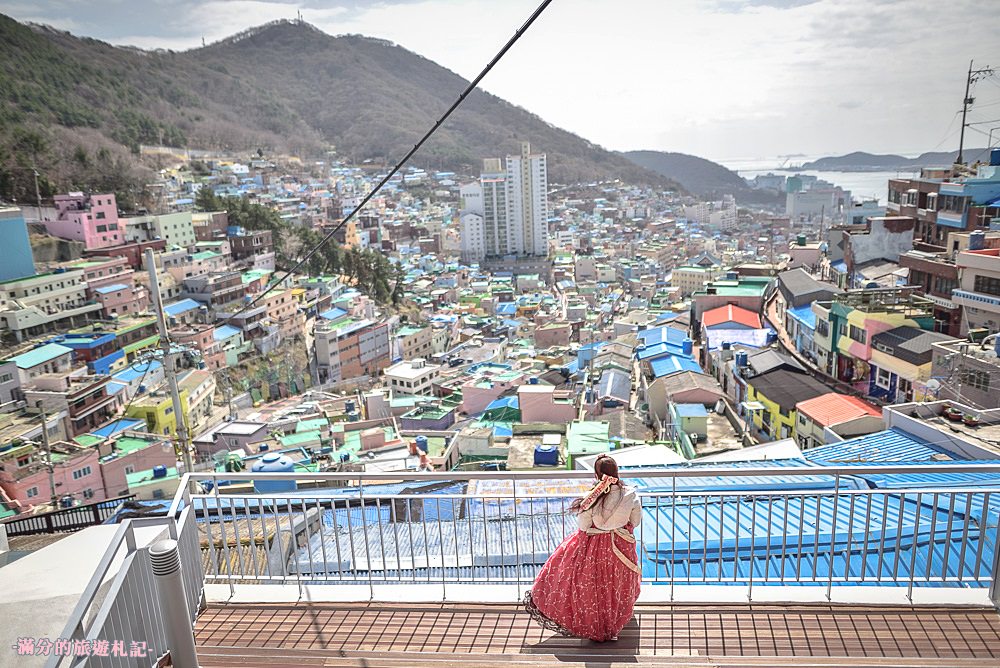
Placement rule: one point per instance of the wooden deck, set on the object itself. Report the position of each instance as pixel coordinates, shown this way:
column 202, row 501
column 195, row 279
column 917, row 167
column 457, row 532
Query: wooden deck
column 397, row 635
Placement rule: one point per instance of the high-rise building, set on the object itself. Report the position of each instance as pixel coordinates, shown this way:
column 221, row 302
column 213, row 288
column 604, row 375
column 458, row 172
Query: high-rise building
column 506, row 211
column 18, row 262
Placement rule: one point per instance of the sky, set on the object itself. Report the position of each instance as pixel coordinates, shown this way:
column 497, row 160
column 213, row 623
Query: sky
column 729, row 80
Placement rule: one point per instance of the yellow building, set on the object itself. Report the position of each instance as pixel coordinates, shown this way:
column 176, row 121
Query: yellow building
column 778, row 392
column 197, row 389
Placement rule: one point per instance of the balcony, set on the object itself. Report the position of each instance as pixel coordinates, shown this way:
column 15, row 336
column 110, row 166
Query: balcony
column 741, row 565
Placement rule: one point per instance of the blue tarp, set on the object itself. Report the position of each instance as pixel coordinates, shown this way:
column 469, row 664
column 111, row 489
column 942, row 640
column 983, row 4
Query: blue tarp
column 804, row 314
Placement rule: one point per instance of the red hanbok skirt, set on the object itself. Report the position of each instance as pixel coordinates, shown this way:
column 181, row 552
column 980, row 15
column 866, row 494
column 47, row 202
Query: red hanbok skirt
column 586, row 589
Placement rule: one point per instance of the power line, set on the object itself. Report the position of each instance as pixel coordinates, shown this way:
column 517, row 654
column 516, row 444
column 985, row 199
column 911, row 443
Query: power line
column 399, row 165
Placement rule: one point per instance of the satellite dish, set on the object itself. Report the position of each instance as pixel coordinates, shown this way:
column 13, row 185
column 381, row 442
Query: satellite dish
column 934, row 385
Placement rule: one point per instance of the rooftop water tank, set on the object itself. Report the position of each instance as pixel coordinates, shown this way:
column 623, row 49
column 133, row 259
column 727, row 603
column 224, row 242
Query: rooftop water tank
column 546, row 455
column 421, row 443
column 349, row 406
column 732, row 276
column 801, row 240
column 687, row 346
column 532, row 381
column 741, row 358
column 273, row 462
column 977, row 240
column 66, row 501
column 995, row 157
column 159, row 471
column 263, row 447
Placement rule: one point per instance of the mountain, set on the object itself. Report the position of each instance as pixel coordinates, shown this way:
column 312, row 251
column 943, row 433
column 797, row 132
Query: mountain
column 74, row 107
column 701, row 177
column 860, row 161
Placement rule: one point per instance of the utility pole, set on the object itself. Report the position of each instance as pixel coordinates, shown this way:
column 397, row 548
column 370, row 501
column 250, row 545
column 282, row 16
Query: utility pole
column 38, row 195
column 48, row 451
column 973, row 76
column 168, row 364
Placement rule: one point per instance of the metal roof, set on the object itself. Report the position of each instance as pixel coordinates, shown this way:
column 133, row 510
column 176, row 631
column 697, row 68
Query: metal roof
column 39, row 355
column 834, row 408
column 892, row 445
column 664, row 366
column 179, row 307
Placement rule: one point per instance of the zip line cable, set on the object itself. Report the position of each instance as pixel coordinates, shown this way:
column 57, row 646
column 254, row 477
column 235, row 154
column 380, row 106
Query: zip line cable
column 399, row 165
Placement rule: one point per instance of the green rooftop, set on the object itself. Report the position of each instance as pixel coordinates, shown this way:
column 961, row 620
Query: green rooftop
column 40, row 355
column 588, row 438
column 129, row 444
column 88, row 440
column 299, row 438
column 316, row 424
column 140, row 478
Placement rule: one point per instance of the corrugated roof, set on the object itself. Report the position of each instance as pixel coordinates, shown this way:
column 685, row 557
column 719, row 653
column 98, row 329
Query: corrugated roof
column 730, row 313
column 664, row 366
column 39, row 355
column 179, row 307
column 892, row 445
column 833, row 408
column 615, row 384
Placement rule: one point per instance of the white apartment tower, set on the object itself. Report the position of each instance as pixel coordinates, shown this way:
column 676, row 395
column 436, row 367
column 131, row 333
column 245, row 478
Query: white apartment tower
column 506, row 212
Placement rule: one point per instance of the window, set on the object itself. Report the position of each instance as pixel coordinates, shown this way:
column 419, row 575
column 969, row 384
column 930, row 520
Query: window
column 822, row 327
column 980, row 380
column 102, row 228
column 32, row 492
column 81, row 473
column 987, row 285
column 883, row 378
column 88, row 493
column 129, row 470
column 100, row 216
column 23, row 461
column 858, row 334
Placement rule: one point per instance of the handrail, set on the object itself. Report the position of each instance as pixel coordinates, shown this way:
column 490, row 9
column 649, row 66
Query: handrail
column 697, row 471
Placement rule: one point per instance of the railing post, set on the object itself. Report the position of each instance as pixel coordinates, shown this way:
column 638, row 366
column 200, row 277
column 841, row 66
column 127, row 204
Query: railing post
column 995, row 583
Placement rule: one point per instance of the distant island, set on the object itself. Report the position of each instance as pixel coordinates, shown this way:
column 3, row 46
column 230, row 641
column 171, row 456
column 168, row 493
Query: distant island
column 859, row 161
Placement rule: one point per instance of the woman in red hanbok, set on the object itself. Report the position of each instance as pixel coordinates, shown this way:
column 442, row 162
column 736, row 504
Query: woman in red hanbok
column 589, row 585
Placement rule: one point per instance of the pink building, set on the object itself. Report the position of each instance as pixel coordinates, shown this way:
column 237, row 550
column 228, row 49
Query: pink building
column 77, row 474
column 553, row 334
column 543, row 403
column 121, row 299
column 92, row 219
column 129, row 453
column 479, row 393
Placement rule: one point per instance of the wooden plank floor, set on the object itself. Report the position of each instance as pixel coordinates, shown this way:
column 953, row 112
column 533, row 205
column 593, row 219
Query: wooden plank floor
column 393, row 635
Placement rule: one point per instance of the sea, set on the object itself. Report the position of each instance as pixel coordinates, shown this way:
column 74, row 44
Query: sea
column 863, row 185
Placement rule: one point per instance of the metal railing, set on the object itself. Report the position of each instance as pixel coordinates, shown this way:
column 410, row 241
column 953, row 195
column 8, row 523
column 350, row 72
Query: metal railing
column 821, row 526
column 121, row 622
column 65, row 519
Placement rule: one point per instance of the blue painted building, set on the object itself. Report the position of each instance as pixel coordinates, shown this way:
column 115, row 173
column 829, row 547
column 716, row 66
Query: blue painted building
column 18, row 261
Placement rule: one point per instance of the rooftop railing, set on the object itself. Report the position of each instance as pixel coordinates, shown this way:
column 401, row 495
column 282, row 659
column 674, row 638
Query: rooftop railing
column 819, row 528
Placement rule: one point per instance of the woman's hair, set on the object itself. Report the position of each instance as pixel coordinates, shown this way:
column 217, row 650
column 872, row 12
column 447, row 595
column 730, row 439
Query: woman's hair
column 604, row 465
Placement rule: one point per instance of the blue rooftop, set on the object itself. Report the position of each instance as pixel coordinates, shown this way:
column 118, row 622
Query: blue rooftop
column 183, row 306
column 690, row 410
column 804, row 314
column 333, row 314
column 892, row 445
column 664, row 366
column 111, row 288
column 661, row 334
column 136, row 371
column 224, row 332
column 118, row 426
